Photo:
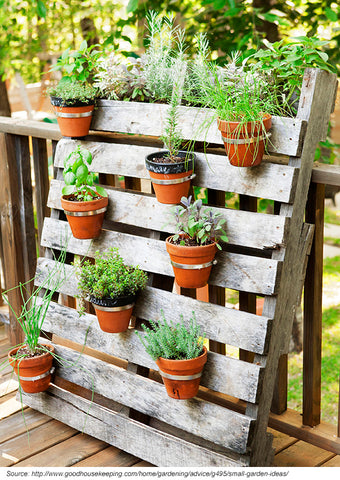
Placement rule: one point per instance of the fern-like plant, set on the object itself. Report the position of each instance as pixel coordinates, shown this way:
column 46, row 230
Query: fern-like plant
column 172, row 341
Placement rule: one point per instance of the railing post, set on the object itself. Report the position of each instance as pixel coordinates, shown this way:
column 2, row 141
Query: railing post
column 312, row 331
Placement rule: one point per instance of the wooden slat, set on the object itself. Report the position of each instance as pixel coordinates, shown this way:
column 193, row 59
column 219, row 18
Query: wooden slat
column 156, row 447
column 46, row 435
column 303, row 455
column 19, row 423
column 221, row 373
column 109, row 457
column 213, row 171
column 149, row 119
column 254, row 230
column 30, row 128
column 66, row 453
column 326, row 174
column 239, row 272
column 230, row 430
column 219, row 323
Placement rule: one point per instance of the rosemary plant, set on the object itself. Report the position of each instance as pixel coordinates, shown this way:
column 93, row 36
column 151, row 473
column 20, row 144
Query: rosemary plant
column 172, row 341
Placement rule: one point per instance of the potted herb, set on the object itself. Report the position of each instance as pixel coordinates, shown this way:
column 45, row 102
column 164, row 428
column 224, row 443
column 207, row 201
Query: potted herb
column 170, row 170
column 243, row 103
column 179, row 354
column 32, row 360
column 73, row 98
column 112, row 287
column 84, row 203
column 192, row 250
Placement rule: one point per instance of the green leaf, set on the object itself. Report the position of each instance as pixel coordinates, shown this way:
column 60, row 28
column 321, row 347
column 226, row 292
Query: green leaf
column 101, row 191
column 65, row 54
column 41, row 9
column 83, row 45
column 86, row 156
column 81, row 174
column 70, row 178
column 323, row 55
column 132, row 6
column 68, row 190
column 331, row 14
column 218, row 4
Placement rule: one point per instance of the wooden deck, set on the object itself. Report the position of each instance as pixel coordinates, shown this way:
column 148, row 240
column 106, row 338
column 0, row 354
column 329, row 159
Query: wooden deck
column 53, row 444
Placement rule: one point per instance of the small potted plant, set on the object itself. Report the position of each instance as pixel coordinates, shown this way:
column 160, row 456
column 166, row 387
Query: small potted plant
column 84, row 203
column 243, row 103
column 179, row 354
column 32, row 360
column 192, row 250
column 112, row 287
column 74, row 97
column 171, row 170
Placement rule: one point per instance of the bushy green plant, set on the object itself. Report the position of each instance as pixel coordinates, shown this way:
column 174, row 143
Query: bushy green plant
column 172, row 341
column 116, row 80
column 110, row 277
column 201, row 226
column 286, row 62
column 73, row 91
column 79, row 180
column 79, row 65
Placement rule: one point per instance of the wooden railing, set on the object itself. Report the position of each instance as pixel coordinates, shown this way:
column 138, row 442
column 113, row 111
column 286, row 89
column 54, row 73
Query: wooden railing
column 24, row 147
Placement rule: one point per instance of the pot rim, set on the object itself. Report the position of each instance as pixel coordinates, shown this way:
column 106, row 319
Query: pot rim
column 14, row 350
column 60, row 103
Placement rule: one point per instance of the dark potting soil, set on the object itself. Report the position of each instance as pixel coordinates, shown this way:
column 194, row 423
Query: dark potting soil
column 24, row 352
column 168, row 160
column 189, row 242
column 73, row 198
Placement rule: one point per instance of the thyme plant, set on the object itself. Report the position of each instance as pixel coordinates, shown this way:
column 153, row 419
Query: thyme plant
column 79, row 180
column 201, row 227
column 109, row 276
column 172, row 341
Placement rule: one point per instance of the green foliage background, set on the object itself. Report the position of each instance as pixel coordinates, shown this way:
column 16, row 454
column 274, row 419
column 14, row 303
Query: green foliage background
column 31, row 27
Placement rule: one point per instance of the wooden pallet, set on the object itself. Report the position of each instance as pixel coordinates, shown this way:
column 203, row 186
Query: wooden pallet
column 266, row 256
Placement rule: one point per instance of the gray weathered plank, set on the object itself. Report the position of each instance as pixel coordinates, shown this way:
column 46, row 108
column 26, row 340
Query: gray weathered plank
column 196, row 416
column 227, row 325
column 213, row 171
column 148, row 119
column 239, row 272
column 157, row 447
column 221, row 373
column 254, row 230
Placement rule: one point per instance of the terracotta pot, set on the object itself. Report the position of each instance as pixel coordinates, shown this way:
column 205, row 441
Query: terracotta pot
column 85, row 218
column 191, row 265
column 171, row 181
column 34, row 373
column 73, row 120
column 245, row 144
column 178, row 387
column 114, row 314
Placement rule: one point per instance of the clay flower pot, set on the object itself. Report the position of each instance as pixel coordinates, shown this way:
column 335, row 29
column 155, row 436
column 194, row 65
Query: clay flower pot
column 114, row 313
column 182, row 377
column 191, row 265
column 74, row 119
column 171, row 181
column 245, row 144
column 34, row 373
column 85, row 218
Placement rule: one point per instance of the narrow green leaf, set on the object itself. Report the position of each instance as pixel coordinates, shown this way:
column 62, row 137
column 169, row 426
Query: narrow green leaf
column 41, row 9
column 132, row 6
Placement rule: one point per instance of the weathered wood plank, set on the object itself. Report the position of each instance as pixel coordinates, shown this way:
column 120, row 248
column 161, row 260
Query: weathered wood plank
column 213, row 171
column 109, row 457
column 149, row 119
column 322, row 86
column 156, row 447
column 221, row 373
column 326, row 174
column 236, row 271
column 66, row 453
column 19, row 423
column 243, row 228
column 230, row 428
column 231, row 326
column 30, row 128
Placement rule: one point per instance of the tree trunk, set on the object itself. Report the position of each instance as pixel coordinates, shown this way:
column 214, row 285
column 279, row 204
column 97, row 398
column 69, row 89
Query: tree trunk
column 5, row 109
column 270, row 29
column 89, row 31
